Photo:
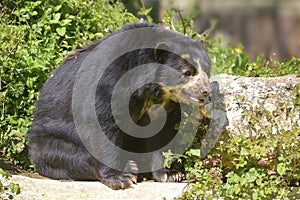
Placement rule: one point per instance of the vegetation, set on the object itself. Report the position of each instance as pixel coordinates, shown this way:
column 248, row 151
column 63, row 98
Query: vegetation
column 13, row 187
column 35, row 36
column 261, row 165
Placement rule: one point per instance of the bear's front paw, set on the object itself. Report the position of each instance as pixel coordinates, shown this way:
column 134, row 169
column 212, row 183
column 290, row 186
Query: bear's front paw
column 165, row 175
column 118, row 180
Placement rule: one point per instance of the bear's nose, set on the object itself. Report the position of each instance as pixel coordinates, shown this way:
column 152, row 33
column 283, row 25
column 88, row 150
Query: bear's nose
column 206, row 93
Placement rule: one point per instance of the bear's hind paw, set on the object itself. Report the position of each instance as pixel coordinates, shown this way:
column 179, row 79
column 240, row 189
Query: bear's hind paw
column 165, row 175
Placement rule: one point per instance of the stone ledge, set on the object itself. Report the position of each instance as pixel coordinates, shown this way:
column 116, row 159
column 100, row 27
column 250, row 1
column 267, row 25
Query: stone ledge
column 46, row 189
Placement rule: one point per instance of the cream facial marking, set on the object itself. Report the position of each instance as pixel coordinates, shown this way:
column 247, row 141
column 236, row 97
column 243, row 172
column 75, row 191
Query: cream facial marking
column 200, row 71
column 186, row 56
column 197, row 61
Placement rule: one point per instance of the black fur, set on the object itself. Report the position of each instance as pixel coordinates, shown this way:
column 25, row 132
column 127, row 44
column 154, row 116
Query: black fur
column 54, row 146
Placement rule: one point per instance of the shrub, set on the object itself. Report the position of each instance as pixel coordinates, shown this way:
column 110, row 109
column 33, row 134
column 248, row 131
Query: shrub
column 261, row 165
column 35, row 36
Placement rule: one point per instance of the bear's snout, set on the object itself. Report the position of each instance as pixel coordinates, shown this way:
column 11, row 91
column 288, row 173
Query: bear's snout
column 197, row 88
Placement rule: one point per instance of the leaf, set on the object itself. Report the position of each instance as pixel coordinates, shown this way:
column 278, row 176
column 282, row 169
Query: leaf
column 244, row 152
column 3, row 173
column 57, row 8
column 145, row 11
column 14, row 188
column 33, row 13
column 255, row 195
column 194, row 152
column 61, row 31
column 56, row 17
column 236, row 188
column 250, row 177
column 259, row 181
column 65, row 22
column 281, row 169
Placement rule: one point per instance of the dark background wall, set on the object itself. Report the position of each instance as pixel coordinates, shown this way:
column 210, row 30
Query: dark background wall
column 271, row 27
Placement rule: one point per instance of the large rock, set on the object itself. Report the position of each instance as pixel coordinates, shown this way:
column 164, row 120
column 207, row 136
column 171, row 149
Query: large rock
column 251, row 106
column 242, row 97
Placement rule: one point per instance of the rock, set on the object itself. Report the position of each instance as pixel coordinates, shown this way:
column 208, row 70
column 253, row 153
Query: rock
column 33, row 188
column 243, row 97
column 250, row 106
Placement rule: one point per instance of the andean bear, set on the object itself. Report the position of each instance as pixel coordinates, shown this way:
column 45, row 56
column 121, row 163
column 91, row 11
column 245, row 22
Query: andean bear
column 58, row 146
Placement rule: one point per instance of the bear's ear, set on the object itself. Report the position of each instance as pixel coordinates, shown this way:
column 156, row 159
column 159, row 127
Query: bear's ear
column 160, row 51
column 201, row 42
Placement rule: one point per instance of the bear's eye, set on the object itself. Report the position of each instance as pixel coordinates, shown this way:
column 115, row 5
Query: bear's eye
column 187, row 73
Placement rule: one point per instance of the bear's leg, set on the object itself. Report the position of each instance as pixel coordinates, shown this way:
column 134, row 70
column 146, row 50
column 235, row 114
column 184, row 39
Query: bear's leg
column 164, row 175
column 61, row 159
column 115, row 170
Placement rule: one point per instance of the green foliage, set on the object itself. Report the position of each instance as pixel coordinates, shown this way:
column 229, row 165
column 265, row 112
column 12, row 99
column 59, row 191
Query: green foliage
column 145, row 12
column 3, row 173
column 234, row 61
column 183, row 25
column 291, row 66
column 262, row 163
column 35, row 36
column 14, row 187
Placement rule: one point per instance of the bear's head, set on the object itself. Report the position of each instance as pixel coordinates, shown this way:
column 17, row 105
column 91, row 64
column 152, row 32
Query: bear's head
column 190, row 84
